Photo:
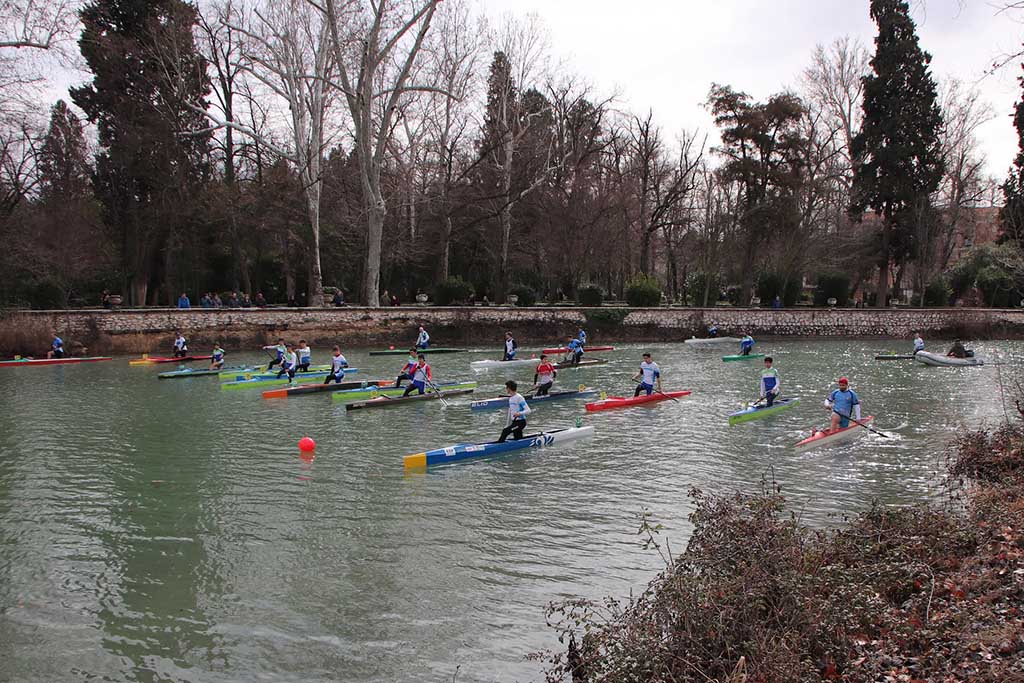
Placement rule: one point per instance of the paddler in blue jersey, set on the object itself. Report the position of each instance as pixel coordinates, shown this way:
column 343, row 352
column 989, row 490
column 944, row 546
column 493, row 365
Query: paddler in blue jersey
column 918, row 342
column 649, row 376
column 746, row 344
column 712, row 331
column 288, row 363
column 575, row 351
column 511, row 346
column 408, row 368
column 280, row 348
column 423, row 340
column 217, row 357
column 338, row 365
column 582, row 336
column 843, row 404
column 305, row 355
column 56, row 347
column 770, row 386
column 180, row 345
column 517, row 412
column 421, row 376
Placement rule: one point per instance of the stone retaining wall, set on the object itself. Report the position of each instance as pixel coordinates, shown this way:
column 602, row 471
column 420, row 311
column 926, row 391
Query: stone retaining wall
column 142, row 330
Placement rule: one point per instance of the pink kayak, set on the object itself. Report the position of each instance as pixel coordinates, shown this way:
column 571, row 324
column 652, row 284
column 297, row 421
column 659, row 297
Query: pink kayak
column 828, row 437
column 25, row 362
column 627, row 401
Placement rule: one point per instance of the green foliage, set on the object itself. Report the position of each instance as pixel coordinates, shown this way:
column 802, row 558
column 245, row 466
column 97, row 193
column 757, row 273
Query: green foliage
column 606, row 317
column 452, row 290
column 1011, row 216
column 938, row 292
column 961, row 276
column 996, row 286
column 589, row 295
column 695, row 286
column 770, row 285
column 527, row 295
column 996, row 270
column 643, row 291
column 832, row 285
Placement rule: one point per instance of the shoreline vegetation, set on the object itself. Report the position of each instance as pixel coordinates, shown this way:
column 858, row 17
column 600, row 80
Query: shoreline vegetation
column 919, row 594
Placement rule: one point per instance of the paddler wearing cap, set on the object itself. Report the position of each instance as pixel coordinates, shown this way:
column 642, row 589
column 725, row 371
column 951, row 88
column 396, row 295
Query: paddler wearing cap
column 843, row 404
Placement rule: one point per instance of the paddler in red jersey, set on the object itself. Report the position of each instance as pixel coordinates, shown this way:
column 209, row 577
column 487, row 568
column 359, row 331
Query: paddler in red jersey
column 544, row 377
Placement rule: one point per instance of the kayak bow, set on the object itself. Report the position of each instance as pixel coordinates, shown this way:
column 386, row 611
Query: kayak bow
column 465, row 451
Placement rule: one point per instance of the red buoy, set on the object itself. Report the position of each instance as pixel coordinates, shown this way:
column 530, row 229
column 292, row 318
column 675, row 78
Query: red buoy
column 306, row 444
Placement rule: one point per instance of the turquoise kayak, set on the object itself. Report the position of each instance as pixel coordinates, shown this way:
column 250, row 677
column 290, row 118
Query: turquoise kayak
column 199, row 372
column 502, row 401
column 272, row 380
column 739, row 356
column 757, row 412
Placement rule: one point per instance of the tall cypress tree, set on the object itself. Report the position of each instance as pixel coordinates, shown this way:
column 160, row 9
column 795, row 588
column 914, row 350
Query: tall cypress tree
column 64, row 171
column 146, row 74
column 899, row 163
column 1011, row 216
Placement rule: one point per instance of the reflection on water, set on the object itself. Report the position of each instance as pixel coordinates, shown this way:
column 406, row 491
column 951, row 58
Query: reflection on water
column 166, row 530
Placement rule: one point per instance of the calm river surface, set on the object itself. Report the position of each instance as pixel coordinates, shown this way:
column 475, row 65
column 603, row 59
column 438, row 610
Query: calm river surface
column 169, row 531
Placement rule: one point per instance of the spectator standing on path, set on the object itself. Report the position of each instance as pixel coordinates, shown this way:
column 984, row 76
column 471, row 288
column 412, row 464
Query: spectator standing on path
column 776, row 302
column 183, row 301
column 385, row 299
column 260, row 301
column 233, row 301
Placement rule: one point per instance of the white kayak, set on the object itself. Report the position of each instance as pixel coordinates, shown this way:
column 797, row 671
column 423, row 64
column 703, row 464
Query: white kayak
column 827, row 437
column 481, row 365
column 936, row 360
column 711, row 342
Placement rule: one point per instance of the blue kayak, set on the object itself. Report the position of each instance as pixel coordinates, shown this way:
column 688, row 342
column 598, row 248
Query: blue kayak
column 206, row 372
column 465, row 451
column 502, row 401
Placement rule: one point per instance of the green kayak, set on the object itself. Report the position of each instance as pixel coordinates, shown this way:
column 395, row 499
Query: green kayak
column 405, row 352
column 273, row 381
column 374, row 392
column 261, row 372
column 749, row 356
column 757, row 412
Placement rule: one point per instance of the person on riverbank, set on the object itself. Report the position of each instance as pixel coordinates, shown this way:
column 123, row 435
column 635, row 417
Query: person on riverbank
column 543, row 377
column 421, row 375
column 217, row 357
column 843, row 403
column 56, row 347
column 338, row 365
column 183, row 301
column 746, row 345
column 305, row 356
column 288, row 363
column 918, row 342
column 769, row 387
column 408, row 368
column 518, row 409
column 575, row 353
column 511, row 346
column 649, row 376
column 423, row 339
column 180, row 345
column 279, row 350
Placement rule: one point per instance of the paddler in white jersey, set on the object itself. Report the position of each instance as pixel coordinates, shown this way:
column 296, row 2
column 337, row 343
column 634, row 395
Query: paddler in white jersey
column 423, row 340
column 511, row 346
column 769, row 387
column 517, row 412
column 180, row 345
column 421, row 376
column 305, row 355
column 918, row 342
column 338, row 365
column 650, row 374
column 279, row 349
column 288, row 363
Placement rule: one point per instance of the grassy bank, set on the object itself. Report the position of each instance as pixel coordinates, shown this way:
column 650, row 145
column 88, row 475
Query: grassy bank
column 921, row 594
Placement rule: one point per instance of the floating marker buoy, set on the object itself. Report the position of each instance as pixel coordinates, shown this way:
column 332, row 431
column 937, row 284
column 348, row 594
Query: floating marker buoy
column 306, row 444
column 391, row 348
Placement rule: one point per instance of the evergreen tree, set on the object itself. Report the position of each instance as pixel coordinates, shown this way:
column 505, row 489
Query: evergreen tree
column 64, row 170
column 897, row 152
column 147, row 76
column 1011, row 216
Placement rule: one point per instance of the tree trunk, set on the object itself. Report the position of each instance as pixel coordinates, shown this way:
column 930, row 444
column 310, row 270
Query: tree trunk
column 882, row 291
column 645, row 248
column 501, row 290
column 443, row 261
column 375, row 213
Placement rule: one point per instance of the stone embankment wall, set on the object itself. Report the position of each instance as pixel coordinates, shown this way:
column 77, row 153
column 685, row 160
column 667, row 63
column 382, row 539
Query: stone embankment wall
column 144, row 330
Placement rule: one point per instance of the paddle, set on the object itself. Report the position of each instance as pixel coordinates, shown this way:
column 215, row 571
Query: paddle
column 856, row 422
column 440, row 394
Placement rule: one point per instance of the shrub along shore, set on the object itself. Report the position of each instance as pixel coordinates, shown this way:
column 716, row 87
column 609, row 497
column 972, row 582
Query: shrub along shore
column 917, row 594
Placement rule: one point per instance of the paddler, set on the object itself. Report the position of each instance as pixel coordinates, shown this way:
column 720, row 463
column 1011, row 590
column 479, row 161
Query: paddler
column 288, row 363
column 918, row 342
column 543, row 377
column 421, row 374
column 582, row 336
column 56, row 347
column 423, row 340
column 712, row 331
column 305, row 356
column 746, row 344
column 843, row 404
column 769, row 383
column 517, row 412
column 958, row 350
column 649, row 376
column 408, row 368
column 575, row 351
column 338, row 365
column 217, row 357
column 280, row 348
column 180, row 345
column 511, row 346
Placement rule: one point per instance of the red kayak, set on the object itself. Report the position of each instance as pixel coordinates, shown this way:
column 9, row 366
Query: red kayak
column 827, row 437
column 146, row 360
column 626, row 401
column 585, row 348
column 24, row 362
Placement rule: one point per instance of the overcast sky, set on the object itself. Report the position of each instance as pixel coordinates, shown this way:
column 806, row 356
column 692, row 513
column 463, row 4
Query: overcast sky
column 664, row 54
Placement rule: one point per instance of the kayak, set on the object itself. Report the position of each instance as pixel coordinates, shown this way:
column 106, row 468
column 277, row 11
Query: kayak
column 828, row 437
column 895, row 356
column 586, row 347
column 194, row 372
column 627, row 401
column 260, row 372
column 275, row 381
column 739, row 356
column 151, row 360
column 502, row 401
column 307, row 389
column 385, row 401
column 405, row 351
column 374, row 392
column 757, row 412
column 28, row 362
column 711, row 342
column 585, row 363
column 934, row 359
column 482, row 365
column 465, row 451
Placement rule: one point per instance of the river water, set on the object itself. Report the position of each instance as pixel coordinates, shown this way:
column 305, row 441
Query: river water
column 169, row 531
